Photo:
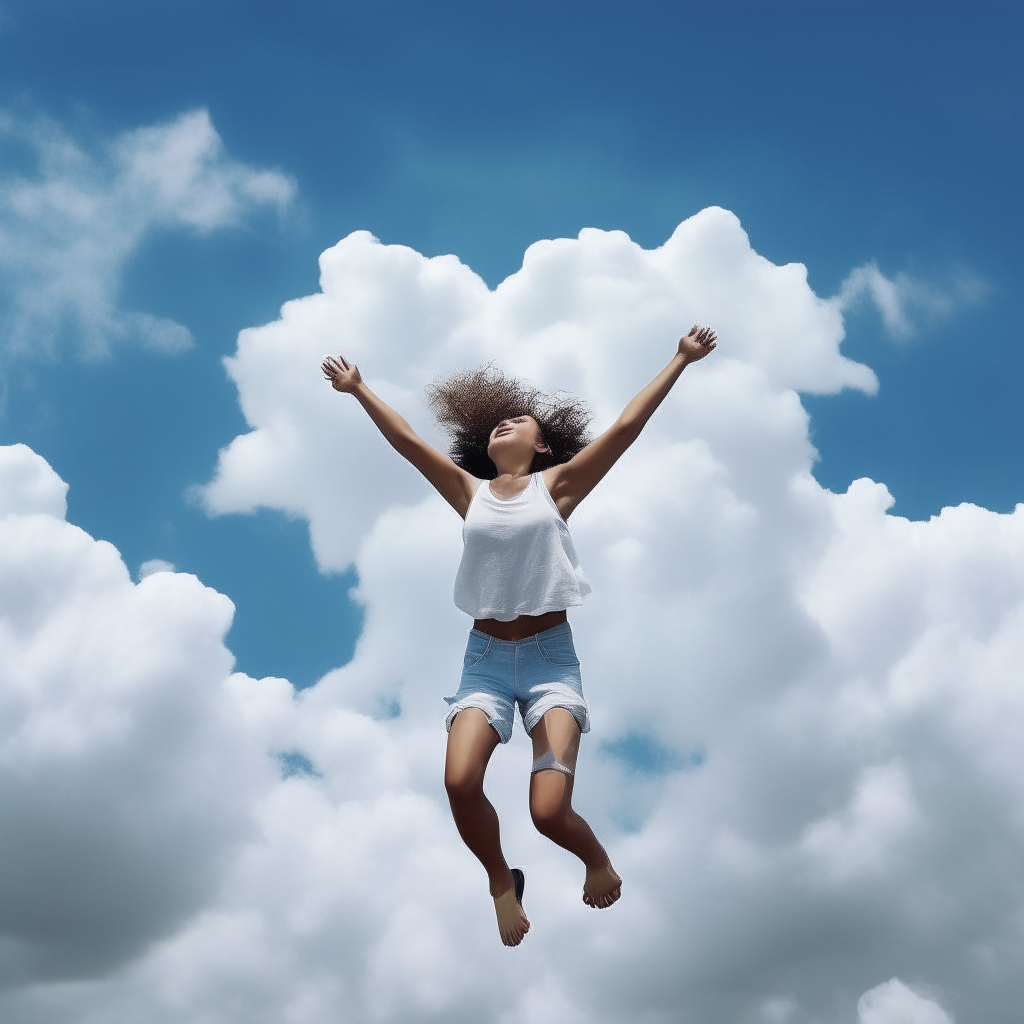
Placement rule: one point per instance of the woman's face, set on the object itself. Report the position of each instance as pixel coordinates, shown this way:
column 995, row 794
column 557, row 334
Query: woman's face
column 516, row 437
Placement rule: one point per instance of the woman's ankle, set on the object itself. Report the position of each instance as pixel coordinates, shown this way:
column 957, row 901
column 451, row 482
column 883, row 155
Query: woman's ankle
column 500, row 882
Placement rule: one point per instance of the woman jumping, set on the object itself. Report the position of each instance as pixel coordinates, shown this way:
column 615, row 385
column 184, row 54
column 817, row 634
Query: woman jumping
column 520, row 464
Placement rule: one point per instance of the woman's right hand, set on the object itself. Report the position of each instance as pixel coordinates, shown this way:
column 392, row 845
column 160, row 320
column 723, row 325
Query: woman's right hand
column 344, row 376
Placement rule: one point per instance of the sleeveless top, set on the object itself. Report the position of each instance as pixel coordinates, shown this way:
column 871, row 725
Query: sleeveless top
column 519, row 558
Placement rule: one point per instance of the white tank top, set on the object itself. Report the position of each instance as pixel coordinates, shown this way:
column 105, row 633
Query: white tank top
column 519, row 558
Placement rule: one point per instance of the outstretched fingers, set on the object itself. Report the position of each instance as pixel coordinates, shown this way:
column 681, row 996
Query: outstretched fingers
column 342, row 374
column 698, row 343
column 703, row 336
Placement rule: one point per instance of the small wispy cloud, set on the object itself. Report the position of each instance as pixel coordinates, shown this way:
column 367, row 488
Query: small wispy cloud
column 905, row 303
column 154, row 565
column 70, row 224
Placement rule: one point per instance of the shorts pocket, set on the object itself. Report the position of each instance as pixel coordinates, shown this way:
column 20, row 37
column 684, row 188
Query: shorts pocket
column 559, row 650
column 476, row 651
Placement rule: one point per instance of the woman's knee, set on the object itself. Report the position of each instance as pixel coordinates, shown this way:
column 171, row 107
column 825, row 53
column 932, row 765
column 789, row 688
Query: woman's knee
column 462, row 784
column 549, row 811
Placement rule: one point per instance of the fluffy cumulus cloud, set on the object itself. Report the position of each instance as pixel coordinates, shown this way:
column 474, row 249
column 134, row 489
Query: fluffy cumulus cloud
column 113, row 722
column 68, row 226
column 807, row 712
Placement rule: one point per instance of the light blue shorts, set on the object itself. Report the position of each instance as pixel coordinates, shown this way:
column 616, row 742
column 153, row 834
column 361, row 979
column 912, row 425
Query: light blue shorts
column 539, row 673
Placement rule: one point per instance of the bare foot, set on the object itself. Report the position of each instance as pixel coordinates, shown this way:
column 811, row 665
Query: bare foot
column 602, row 886
column 512, row 921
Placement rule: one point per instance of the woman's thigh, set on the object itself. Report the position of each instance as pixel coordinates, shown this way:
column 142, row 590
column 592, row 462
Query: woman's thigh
column 548, row 677
column 471, row 741
column 559, row 732
column 487, row 683
column 551, row 788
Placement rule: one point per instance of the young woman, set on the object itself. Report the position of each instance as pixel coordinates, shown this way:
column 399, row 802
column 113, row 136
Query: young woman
column 520, row 464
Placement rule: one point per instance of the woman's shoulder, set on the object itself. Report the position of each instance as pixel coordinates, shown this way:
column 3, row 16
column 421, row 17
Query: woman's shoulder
column 549, row 477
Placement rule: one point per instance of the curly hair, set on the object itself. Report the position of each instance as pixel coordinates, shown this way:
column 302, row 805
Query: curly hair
column 469, row 405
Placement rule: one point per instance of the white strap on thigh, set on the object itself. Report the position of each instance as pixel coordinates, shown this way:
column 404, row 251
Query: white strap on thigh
column 548, row 760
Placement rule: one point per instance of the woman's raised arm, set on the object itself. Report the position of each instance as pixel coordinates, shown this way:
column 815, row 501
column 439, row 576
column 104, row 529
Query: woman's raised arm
column 571, row 482
column 455, row 485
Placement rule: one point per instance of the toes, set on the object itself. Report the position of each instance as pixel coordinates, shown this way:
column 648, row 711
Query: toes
column 515, row 935
column 515, row 931
column 604, row 900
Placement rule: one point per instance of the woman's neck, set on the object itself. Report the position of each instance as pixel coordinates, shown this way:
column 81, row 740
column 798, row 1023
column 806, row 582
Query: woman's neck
column 506, row 486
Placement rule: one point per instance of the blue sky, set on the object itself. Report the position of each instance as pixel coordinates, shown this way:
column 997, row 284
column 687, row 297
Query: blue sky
column 838, row 135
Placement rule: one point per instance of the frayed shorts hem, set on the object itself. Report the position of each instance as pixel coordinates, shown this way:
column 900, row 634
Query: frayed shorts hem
column 501, row 722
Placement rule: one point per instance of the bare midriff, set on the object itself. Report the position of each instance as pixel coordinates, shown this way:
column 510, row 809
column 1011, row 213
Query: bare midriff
column 521, row 628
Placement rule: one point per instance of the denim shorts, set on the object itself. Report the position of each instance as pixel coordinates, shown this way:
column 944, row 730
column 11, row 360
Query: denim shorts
column 539, row 673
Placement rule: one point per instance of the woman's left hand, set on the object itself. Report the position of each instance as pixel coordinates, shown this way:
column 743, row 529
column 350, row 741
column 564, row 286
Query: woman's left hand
column 343, row 375
column 697, row 344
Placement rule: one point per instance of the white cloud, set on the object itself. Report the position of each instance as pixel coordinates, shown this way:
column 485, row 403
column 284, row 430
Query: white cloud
column 903, row 300
column 29, row 484
column 113, row 722
column 858, row 839
column 851, row 679
column 407, row 318
column 894, row 1003
column 154, row 565
column 68, row 229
